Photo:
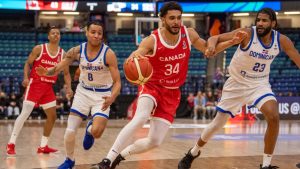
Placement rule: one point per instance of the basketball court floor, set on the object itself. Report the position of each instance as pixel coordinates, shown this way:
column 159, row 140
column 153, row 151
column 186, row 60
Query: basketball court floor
column 238, row 146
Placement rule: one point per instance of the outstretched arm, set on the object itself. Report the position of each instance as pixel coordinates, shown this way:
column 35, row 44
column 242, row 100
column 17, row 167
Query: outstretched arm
column 212, row 47
column 289, row 48
column 72, row 54
column 67, row 78
column 218, row 43
column 145, row 47
column 114, row 71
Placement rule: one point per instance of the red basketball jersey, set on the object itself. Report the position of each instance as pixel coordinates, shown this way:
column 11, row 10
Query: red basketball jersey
column 47, row 61
column 170, row 63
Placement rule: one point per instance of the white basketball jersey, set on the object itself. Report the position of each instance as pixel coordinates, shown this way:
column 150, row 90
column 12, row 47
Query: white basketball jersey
column 94, row 73
column 251, row 65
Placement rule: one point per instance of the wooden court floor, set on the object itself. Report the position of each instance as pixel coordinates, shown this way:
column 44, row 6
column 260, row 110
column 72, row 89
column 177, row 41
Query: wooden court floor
column 238, row 146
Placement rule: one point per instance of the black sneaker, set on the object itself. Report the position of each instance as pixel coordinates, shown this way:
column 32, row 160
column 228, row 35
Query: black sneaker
column 186, row 161
column 269, row 167
column 298, row 165
column 104, row 164
column 117, row 161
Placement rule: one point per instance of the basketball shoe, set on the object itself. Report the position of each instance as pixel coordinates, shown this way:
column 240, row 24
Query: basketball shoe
column 10, row 149
column 186, row 161
column 68, row 164
column 117, row 161
column 104, row 164
column 88, row 139
column 46, row 150
column 269, row 167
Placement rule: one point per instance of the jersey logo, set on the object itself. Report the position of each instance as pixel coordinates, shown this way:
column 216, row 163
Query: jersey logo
column 265, row 51
column 184, row 45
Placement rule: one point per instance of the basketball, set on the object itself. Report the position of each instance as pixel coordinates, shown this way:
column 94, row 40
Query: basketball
column 137, row 71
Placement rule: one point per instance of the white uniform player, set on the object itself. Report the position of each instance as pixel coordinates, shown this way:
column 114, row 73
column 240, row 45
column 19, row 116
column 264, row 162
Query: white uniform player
column 249, row 71
column 95, row 81
column 249, row 82
column 99, row 85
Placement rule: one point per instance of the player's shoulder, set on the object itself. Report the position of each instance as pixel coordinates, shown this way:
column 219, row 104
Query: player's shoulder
column 75, row 49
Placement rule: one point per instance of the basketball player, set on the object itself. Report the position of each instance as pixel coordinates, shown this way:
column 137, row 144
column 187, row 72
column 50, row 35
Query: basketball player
column 168, row 50
column 39, row 89
column 99, row 85
column 249, row 82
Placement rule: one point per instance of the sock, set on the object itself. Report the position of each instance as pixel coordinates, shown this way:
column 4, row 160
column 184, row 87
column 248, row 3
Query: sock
column 27, row 109
column 90, row 129
column 267, row 160
column 44, row 141
column 195, row 150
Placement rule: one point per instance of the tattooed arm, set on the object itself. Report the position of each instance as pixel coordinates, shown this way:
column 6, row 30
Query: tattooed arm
column 72, row 54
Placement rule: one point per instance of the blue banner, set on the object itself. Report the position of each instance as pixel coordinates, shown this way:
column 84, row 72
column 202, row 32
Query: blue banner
column 13, row 4
column 226, row 6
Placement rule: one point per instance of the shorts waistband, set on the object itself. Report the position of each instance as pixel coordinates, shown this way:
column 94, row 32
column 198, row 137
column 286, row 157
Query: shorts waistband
column 96, row 89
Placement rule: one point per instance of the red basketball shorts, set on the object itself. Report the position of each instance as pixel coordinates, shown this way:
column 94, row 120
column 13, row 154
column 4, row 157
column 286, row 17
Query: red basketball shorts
column 166, row 100
column 40, row 93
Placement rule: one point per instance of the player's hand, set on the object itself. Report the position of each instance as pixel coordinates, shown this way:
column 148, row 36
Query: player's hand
column 239, row 37
column 108, row 100
column 41, row 71
column 136, row 55
column 69, row 93
column 210, row 51
column 25, row 82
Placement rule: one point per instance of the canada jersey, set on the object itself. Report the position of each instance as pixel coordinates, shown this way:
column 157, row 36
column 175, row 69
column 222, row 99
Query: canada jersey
column 251, row 65
column 94, row 73
column 46, row 60
column 170, row 63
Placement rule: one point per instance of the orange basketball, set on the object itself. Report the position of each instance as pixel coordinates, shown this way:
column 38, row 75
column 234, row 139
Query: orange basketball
column 137, row 71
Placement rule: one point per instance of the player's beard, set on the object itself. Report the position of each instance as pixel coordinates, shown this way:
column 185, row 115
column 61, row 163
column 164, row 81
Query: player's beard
column 265, row 32
column 169, row 28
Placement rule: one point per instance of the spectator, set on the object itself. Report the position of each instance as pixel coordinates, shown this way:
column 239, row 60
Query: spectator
column 190, row 102
column 218, row 78
column 3, row 104
column 198, row 106
column 75, row 27
column 13, row 109
column 210, row 105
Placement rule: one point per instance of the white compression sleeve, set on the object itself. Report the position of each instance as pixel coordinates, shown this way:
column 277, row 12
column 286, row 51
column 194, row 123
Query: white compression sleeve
column 73, row 124
column 157, row 133
column 125, row 137
column 26, row 111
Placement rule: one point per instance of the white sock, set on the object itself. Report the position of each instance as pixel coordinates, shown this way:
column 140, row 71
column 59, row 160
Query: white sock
column 90, row 129
column 69, row 138
column 44, row 141
column 267, row 160
column 27, row 109
column 195, row 150
column 126, row 136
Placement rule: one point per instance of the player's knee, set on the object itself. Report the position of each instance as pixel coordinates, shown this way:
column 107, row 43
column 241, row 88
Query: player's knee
column 51, row 117
column 69, row 135
column 97, row 133
column 273, row 118
column 155, row 142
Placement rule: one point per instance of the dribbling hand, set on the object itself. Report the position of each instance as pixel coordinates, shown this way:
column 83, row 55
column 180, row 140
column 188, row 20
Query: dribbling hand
column 41, row 71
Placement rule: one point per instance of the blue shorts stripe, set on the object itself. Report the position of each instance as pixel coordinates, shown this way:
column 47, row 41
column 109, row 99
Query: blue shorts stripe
column 100, row 114
column 77, row 112
column 259, row 99
column 224, row 111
